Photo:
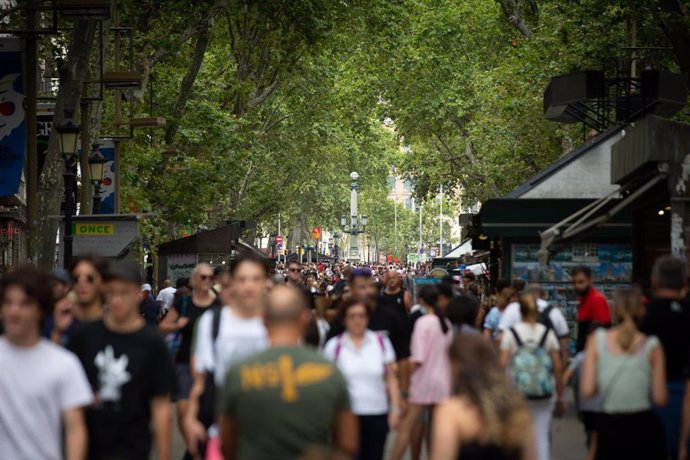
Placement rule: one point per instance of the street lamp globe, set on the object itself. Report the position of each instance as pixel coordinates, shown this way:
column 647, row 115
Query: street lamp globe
column 354, row 176
column 97, row 164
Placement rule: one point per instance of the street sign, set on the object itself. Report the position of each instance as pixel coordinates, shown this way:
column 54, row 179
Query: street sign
column 279, row 239
column 316, row 233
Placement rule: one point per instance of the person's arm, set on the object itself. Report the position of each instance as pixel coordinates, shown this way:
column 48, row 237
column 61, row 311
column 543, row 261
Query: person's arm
column 160, row 421
column 394, row 395
column 75, row 434
column 445, row 442
column 228, row 437
column 407, row 298
column 588, row 379
column 346, row 433
column 558, row 376
column 529, row 446
column 172, row 321
column 685, row 425
column 564, row 342
column 505, row 357
column 659, row 388
column 194, row 430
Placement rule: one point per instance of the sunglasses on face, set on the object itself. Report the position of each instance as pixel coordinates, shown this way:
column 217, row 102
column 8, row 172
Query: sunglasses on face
column 205, row 277
column 90, row 279
column 294, row 270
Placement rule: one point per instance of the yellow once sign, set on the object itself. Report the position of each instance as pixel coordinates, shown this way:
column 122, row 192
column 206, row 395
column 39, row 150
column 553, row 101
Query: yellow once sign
column 98, row 229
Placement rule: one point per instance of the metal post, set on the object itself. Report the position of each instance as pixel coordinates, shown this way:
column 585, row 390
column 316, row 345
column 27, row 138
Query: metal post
column 283, row 244
column 395, row 227
column 84, row 159
column 420, row 231
column 96, row 207
column 68, row 179
column 31, row 63
column 440, row 224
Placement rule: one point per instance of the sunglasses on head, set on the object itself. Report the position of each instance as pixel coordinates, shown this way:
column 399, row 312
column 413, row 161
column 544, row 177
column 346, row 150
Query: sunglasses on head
column 90, row 279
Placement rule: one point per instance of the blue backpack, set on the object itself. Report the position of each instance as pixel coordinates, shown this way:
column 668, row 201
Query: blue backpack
column 531, row 368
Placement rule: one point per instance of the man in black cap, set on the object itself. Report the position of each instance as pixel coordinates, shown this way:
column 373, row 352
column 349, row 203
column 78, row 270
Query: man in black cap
column 130, row 372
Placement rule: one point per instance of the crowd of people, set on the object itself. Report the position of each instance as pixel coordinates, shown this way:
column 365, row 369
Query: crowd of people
column 328, row 361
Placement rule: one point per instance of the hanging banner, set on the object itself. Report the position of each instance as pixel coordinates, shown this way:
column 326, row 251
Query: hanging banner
column 107, row 148
column 44, row 118
column 12, row 120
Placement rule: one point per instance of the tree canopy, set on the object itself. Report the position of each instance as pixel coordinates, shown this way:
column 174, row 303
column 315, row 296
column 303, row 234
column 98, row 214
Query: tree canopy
column 270, row 105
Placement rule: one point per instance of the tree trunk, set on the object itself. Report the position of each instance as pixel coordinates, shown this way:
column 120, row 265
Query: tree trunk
column 93, row 125
column 188, row 82
column 50, row 187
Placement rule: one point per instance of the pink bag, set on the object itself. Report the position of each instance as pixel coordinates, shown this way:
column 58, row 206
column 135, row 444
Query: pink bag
column 213, row 449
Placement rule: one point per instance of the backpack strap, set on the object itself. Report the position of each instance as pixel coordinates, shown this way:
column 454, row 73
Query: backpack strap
column 381, row 342
column 215, row 325
column 338, row 346
column 542, row 342
column 518, row 340
column 185, row 306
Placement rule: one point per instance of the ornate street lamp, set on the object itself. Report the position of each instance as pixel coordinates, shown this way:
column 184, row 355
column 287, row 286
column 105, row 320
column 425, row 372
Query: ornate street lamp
column 68, row 134
column 97, row 169
column 358, row 222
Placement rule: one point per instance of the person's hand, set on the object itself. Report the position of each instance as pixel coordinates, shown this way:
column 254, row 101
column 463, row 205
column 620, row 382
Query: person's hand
column 559, row 410
column 194, row 434
column 181, row 322
column 394, row 418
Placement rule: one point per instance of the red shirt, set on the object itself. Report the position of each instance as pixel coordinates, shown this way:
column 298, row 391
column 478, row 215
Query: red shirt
column 594, row 307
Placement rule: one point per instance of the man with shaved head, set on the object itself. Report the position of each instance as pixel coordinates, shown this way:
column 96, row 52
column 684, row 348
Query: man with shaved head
column 287, row 399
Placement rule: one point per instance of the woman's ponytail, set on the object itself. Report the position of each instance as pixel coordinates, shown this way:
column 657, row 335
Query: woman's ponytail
column 627, row 310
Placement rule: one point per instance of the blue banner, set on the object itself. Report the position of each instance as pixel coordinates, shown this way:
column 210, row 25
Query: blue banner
column 12, row 120
column 107, row 148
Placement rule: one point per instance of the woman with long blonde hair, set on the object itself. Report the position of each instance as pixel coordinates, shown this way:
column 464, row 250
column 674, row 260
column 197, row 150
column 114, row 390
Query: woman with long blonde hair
column 485, row 418
column 626, row 368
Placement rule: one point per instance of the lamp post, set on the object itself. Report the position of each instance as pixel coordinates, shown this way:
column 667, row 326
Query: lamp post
column 68, row 136
column 97, row 168
column 358, row 223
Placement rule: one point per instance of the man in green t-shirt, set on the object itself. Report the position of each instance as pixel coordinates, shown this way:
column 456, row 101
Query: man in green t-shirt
column 287, row 399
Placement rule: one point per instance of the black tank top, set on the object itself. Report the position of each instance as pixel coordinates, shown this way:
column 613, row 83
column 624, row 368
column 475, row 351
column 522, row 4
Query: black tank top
column 476, row 451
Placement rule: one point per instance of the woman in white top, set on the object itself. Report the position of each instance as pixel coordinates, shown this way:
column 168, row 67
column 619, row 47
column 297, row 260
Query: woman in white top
column 534, row 342
column 367, row 361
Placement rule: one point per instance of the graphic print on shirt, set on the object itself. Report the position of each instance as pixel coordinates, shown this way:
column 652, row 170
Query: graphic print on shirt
column 282, row 373
column 112, row 374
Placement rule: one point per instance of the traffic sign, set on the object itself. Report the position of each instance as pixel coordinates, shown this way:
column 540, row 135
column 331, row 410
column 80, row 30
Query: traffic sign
column 316, row 233
column 279, row 239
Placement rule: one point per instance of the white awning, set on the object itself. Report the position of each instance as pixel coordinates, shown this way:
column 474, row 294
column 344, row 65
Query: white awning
column 459, row 251
column 587, row 217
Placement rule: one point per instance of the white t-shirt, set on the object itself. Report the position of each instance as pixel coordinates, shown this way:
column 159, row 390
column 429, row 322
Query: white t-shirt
column 166, row 297
column 364, row 370
column 511, row 316
column 238, row 338
column 530, row 334
column 37, row 384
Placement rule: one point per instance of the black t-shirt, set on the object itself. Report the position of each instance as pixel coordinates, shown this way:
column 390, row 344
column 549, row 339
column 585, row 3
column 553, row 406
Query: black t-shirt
column 125, row 371
column 185, row 307
column 395, row 302
column 395, row 326
column 669, row 320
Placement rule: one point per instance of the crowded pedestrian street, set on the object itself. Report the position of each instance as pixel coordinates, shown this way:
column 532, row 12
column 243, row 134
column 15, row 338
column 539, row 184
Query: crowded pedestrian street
column 344, row 230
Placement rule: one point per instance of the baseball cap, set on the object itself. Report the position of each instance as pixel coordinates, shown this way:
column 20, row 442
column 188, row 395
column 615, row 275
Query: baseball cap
column 124, row 271
column 146, row 287
column 61, row 275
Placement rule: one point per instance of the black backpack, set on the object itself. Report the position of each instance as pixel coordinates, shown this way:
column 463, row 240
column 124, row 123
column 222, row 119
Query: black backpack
column 545, row 318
